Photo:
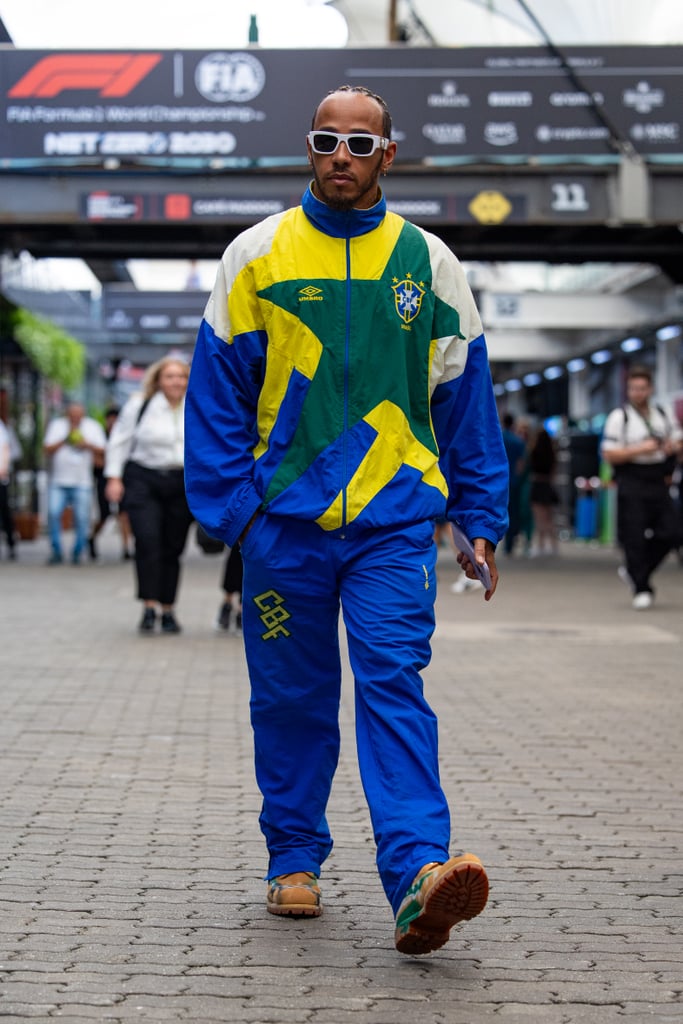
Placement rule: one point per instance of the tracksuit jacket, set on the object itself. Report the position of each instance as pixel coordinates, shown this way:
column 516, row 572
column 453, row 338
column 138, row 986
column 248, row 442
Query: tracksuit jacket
column 341, row 377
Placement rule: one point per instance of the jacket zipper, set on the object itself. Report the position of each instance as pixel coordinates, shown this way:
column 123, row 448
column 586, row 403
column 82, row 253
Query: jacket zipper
column 347, row 334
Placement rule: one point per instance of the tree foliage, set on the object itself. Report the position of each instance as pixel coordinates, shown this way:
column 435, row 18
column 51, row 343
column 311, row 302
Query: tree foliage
column 54, row 353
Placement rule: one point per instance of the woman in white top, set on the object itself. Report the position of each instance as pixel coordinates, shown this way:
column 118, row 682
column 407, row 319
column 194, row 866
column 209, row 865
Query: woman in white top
column 144, row 471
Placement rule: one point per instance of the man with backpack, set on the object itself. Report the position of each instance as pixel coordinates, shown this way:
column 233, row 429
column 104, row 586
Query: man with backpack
column 641, row 441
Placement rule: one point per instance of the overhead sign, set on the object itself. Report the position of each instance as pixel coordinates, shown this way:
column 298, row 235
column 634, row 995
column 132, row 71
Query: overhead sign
column 127, row 311
column 236, row 109
column 122, row 202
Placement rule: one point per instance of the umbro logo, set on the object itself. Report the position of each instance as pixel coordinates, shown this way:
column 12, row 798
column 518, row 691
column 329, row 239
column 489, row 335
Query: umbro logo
column 310, row 294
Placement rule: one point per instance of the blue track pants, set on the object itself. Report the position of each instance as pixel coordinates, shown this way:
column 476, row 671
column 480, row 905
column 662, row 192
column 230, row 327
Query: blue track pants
column 296, row 576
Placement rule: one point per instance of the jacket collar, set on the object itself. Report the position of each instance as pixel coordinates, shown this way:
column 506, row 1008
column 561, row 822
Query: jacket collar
column 342, row 224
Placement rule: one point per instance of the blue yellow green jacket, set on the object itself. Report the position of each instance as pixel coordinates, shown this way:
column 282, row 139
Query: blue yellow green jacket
column 341, row 376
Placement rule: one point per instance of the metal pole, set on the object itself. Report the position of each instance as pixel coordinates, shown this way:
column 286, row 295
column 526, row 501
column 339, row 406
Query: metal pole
column 393, row 27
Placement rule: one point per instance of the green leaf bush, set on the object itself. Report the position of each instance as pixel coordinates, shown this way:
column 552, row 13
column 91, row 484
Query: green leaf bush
column 54, row 353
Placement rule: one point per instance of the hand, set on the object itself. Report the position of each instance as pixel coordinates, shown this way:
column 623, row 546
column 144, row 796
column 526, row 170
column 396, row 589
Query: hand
column 113, row 490
column 484, row 551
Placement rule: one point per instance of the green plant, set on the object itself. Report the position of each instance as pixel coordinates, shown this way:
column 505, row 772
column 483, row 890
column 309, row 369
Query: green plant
column 54, row 353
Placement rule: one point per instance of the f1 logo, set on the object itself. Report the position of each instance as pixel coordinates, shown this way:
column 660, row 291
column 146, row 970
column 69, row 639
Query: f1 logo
column 114, row 74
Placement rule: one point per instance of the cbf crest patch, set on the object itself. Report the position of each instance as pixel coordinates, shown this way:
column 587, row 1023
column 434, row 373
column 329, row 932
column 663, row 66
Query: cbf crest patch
column 408, row 298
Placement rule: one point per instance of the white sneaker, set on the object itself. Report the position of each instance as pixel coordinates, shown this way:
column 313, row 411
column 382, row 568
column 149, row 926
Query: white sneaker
column 463, row 584
column 642, row 601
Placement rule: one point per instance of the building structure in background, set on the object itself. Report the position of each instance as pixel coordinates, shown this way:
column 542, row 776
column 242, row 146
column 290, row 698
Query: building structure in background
column 539, row 227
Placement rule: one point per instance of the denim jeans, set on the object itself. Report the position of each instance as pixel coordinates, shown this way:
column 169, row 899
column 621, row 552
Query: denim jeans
column 80, row 501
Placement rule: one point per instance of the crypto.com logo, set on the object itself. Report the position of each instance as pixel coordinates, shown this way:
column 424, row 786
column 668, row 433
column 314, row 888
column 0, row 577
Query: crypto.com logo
column 114, row 74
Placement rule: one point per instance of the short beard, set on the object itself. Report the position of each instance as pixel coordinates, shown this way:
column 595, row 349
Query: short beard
column 339, row 203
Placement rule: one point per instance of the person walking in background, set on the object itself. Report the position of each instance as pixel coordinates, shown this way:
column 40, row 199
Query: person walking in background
column 230, row 611
column 6, row 517
column 515, row 450
column 144, row 470
column 340, row 403
column 526, row 516
column 543, row 494
column 71, row 444
column 641, row 441
column 105, row 507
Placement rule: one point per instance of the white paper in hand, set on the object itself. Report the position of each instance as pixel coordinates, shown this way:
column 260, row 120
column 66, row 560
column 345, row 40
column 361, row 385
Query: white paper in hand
column 463, row 544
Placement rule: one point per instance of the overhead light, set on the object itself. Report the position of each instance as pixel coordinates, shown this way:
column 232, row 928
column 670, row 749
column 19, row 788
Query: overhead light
column 576, row 365
column 532, row 379
column 498, row 390
column 667, row 333
column 553, row 372
column 513, row 385
column 603, row 355
column 631, row 344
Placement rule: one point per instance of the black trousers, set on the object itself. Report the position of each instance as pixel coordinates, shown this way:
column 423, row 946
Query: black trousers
column 6, row 518
column 159, row 519
column 648, row 527
column 233, row 571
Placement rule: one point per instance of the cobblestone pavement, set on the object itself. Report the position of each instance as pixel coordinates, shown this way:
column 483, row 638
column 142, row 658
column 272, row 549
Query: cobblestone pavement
column 131, row 860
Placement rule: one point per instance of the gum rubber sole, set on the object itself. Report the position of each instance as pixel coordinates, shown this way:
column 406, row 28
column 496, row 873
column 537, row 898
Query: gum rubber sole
column 459, row 893
column 294, row 895
column 294, row 909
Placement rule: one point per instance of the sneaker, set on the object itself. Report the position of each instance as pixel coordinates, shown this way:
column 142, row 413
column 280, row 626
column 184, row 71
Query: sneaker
column 296, row 895
column 148, row 621
column 442, row 895
column 55, row 559
column 223, row 620
column 168, row 623
column 642, row 601
column 464, row 584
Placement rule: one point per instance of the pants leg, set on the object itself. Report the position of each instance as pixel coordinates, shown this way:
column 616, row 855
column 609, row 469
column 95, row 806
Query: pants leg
column 233, row 575
column 57, row 501
column 145, row 513
column 6, row 518
column 103, row 506
column 513, row 519
column 644, row 518
column 388, row 590
column 290, row 623
column 176, row 519
column 82, row 507
column 663, row 533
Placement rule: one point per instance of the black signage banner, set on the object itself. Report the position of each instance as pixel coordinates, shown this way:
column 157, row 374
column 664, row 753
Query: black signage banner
column 246, row 108
column 126, row 311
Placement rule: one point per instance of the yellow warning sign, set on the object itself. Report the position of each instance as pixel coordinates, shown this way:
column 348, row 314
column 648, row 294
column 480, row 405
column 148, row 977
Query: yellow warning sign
column 490, row 207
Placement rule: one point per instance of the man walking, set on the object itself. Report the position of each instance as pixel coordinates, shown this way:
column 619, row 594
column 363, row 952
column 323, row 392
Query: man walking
column 340, row 401
column 640, row 440
column 71, row 443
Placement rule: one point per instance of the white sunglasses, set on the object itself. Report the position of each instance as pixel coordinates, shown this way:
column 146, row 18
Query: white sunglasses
column 327, row 143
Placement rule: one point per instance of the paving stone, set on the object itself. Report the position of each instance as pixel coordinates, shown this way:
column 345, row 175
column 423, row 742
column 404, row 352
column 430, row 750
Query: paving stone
column 131, row 862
